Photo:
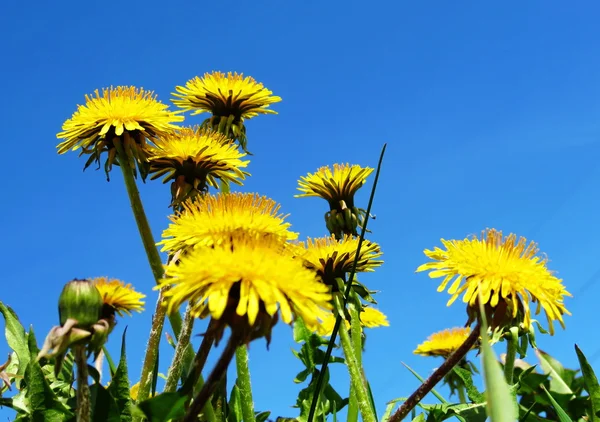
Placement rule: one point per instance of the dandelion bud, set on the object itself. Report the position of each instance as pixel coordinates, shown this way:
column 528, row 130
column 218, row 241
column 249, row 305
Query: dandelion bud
column 81, row 301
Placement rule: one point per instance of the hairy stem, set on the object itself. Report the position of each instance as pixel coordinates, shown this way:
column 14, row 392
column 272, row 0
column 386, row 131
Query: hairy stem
column 203, row 396
column 512, row 340
column 436, row 377
column 244, row 384
column 182, row 343
column 84, row 406
column 355, row 371
column 356, row 335
column 461, row 394
column 155, row 264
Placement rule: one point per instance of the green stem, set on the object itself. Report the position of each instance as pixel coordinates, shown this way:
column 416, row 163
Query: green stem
column 202, row 399
column 356, row 333
column 354, row 370
column 153, row 259
column 84, row 406
column 243, row 383
column 461, row 394
column 149, row 364
column 511, row 353
column 183, row 341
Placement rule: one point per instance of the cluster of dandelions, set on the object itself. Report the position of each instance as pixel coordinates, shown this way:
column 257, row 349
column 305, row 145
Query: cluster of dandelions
column 234, row 257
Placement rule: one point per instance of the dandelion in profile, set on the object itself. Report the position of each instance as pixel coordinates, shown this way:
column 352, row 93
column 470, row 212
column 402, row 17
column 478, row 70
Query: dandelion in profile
column 194, row 159
column 231, row 98
column 443, row 343
column 119, row 297
column 338, row 187
column 332, row 258
column 125, row 114
column 369, row 318
column 506, row 272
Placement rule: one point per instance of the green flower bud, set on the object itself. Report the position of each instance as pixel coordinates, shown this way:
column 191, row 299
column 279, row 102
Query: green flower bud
column 81, row 301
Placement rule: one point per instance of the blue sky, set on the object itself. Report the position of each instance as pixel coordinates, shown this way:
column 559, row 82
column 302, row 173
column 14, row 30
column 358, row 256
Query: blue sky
column 490, row 111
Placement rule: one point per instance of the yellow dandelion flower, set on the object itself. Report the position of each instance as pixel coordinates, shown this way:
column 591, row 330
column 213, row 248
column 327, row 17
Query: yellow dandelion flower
column 133, row 392
column 508, row 274
column 372, row 318
column 443, row 343
column 249, row 279
column 127, row 112
column 225, row 95
column 339, row 184
column 195, row 158
column 213, row 219
column 369, row 318
column 121, row 297
column 333, row 258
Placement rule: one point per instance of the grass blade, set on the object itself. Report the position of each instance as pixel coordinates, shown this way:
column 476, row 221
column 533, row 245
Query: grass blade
column 420, row 378
column 562, row 415
column 591, row 384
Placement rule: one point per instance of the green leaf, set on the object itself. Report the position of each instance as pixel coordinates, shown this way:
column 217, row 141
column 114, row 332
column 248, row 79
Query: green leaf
column 420, row 418
column 32, row 342
column 119, row 387
column 500, row 404
column 556, row 371
column 42, row 400
column 261, row 416
column 591, row 384
column 16, row 338
column 164, row 407
column 562, row 415
column 472, row 412
column 104, row 407
column 235, row 406
column 111, row 363
column 420, row 378
column 389, row 408
column 467, row 378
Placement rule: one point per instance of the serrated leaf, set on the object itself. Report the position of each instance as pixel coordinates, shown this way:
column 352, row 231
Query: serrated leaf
column 591, row 384
column 562, row 415
column 467, row 378
column 164, row 407
column 235, row 406
column 120, row 387
column 40, row 396
column 32, row 342
column 553, row 367
column 104, row 406
column 15, row 337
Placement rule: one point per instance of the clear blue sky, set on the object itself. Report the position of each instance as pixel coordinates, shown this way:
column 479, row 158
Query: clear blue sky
column 490, row 112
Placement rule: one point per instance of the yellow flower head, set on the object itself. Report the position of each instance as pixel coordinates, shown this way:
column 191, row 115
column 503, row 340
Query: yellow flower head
column 443, row 343
column 334, row 186
column 245, row 283
column 196, row 158
column 508, row 274
column 225, row 95
column 213, row 219
column 124, row 112
column 118, row 296
column 369, row 318
column 333, row 258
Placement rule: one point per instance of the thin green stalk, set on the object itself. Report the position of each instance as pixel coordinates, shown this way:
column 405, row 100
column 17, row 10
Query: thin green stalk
column 461, row 394
column 338, row 320
column 203, row 397
column 243, row 383
column 155, row 264
column 356, row 333
column 355, row 372
column 178, row 358
column 158, row 321
column 512, row 340
column 84, row 406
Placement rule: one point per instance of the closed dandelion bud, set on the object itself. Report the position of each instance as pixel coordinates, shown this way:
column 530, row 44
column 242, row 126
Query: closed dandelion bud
column 80, row 301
